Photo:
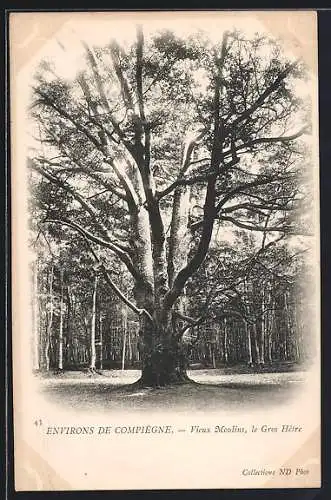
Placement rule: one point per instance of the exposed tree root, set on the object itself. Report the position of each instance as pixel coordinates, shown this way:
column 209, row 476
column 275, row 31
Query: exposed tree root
column 93, row 371
column 59, row 371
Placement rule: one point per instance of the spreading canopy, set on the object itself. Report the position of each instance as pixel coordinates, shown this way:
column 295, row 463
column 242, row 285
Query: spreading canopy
column 153, row 152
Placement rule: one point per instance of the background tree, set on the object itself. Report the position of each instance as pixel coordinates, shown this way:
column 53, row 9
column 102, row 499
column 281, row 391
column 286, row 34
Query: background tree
column 154, row 148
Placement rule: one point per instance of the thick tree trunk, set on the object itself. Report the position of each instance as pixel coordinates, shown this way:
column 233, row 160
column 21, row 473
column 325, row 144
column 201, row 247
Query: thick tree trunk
column 163, row 356
column 164, row 365
column 178, row 241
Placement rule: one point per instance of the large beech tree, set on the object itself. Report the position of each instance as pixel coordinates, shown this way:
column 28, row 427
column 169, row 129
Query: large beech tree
column 155, row 149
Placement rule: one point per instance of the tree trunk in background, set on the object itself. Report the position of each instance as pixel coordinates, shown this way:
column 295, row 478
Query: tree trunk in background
column 263, row 326
column 270, row 316
column 124, row 349
column 256, row 349
column 285, row 328
column 212, row 354
column 101, row 344
column 35, row 318
column 70, row 359
column 298, row 334
column 249, row 344
column 60, row 364
column 130, row 353
column 124, row 333
column 93, row 325
column 226, row 352
column 288, row 322
column 50, row 320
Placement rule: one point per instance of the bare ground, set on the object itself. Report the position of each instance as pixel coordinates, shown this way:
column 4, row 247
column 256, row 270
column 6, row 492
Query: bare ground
column 210, row 390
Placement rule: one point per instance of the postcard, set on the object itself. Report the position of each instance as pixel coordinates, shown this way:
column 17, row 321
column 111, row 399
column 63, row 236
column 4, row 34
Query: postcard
column 165, row 250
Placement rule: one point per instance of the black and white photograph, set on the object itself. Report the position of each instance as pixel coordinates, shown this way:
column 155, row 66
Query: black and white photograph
column 165, row 253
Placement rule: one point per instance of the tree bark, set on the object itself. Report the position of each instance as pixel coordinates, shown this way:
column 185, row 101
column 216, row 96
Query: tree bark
column 263, row 327
column 256, row 349
column 93, row 326
column 226, row 347
column 101, row 343
column 123, row 350
column 212, row 354
column 271, row 314
column 249, row 344
column 124, row 329
column 60, row 360
column 163, row 354
column 130, row 350
column 50, row 320
column 178, row 240
column 35, row 318
column 288, row 322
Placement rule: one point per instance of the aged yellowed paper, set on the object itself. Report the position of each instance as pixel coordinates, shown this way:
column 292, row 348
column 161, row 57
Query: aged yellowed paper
column 165, row 250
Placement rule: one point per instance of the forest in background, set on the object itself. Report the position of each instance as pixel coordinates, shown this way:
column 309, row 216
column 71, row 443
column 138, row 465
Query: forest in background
column 257, row 316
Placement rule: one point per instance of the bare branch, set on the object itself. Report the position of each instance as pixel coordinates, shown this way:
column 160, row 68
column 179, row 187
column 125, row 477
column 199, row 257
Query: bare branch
column 263, row 180
column 189, row 181
column 210, row 198
column 93, row 174
column 253, row 227
column 97, row 76
column 270, row 90
column 90, row 237
column 126, row 94
column 102, row 92
column 188, row 319
column 139, row 70
column 254, row 207
column 116, row 247
column 65, row 114
column 87, row 234
column 116, row 289
column 271, row 140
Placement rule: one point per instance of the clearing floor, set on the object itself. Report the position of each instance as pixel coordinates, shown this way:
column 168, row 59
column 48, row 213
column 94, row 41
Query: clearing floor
column 213, row 390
